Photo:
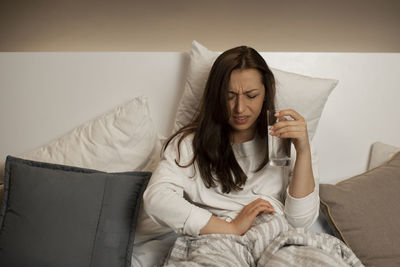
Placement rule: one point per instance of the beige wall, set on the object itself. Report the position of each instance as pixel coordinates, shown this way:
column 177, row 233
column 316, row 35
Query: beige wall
column 171, row 25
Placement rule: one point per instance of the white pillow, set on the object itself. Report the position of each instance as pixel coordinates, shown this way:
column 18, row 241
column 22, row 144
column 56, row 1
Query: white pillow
column 381, row 153
column 304, row 94
column 123, row 139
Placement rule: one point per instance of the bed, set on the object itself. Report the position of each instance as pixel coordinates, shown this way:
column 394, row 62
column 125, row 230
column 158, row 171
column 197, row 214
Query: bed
column 48, row 95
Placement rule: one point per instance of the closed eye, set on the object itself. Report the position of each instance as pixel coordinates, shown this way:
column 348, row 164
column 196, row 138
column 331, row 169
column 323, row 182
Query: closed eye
column 231, row 96
column 252, row 96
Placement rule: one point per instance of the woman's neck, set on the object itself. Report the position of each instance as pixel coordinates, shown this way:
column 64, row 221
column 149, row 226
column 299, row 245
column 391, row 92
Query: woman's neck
column 242, row 136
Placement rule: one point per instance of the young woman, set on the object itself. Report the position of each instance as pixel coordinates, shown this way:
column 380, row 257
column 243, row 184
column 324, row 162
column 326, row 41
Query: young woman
column 214, row 176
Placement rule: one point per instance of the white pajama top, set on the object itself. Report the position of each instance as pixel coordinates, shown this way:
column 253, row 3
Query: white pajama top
column 177, row 197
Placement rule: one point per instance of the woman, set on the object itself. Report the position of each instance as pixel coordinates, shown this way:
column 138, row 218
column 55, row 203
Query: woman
column 214, row 176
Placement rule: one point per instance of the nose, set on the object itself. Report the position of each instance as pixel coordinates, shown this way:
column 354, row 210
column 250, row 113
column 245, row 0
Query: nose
column 240, row 104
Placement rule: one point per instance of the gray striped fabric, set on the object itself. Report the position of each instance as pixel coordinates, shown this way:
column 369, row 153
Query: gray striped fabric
column 270, row 242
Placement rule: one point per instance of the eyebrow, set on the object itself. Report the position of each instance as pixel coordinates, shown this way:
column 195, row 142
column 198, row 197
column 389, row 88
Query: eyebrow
column 246, row 92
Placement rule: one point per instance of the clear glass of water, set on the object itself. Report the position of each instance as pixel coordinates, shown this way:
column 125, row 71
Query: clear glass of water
column 279, row 148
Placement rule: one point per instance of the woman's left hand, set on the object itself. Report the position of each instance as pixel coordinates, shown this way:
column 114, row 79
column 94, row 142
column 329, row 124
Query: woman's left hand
column 295, row 129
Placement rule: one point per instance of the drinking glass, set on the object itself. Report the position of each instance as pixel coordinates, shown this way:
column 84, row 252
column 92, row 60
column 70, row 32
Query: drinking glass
column 279, row 148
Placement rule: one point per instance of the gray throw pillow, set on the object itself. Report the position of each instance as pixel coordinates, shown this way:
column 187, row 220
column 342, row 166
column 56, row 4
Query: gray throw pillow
column 57, row 215
column 364, row 212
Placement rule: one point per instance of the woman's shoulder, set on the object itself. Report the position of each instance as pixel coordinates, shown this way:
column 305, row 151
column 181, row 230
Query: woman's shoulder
column 182, row 138
column 180, row 144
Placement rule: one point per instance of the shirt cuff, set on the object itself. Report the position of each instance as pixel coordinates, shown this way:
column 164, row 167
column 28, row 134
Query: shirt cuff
column 300, row 207
column 197, row 219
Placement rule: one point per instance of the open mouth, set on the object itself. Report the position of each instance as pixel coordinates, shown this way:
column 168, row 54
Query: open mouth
column 241, row 119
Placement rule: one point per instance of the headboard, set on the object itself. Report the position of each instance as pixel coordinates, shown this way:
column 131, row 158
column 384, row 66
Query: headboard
column 45, row 95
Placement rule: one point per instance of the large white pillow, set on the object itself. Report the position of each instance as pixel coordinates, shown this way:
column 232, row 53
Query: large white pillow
column 306, row 95
column 123, row 139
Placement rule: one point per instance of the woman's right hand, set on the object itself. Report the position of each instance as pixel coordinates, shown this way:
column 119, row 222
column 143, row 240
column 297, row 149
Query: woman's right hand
column 244, row 220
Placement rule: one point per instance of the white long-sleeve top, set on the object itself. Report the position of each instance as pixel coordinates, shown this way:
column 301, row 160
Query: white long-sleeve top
column 177, row 197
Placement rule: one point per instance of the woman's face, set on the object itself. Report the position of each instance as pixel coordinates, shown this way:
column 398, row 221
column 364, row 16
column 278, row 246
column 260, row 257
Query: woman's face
column 246, row 94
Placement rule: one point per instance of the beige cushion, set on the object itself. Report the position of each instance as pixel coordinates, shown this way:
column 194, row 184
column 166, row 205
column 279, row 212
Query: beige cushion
column 364, row 212
column 381, row 152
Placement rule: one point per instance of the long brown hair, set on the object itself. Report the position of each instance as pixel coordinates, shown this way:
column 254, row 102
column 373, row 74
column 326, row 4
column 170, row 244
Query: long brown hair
column 211, row 142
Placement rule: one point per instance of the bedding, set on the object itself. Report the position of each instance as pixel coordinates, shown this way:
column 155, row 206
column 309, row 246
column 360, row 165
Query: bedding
column 363, row 211
column 58, row 215
column 270, row 242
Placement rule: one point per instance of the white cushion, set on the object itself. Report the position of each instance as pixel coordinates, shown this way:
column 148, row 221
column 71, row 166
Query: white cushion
column 306, row 95
column 123, row 139
column 381, row 153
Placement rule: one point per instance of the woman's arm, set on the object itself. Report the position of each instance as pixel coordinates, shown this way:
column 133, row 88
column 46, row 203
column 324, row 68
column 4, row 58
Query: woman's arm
column 217, row 226
column 302, row 199
column 302, row 182
column 243, row 221
column 163, row 201
column 302, row 212
column 163, row 198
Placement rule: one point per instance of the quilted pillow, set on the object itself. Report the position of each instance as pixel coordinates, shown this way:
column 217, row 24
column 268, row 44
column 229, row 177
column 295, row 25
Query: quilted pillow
column 306, row 95
column 58, row 215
